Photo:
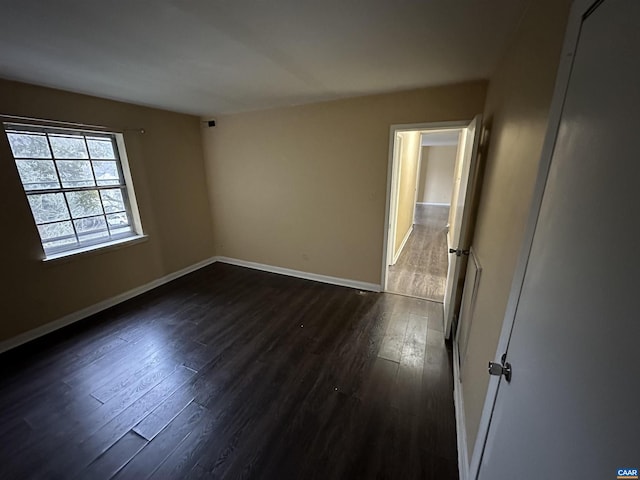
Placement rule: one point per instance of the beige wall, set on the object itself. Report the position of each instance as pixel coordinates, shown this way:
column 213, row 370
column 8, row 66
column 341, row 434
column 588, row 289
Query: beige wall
column 168, row 173
column 436, row 174
column 517, row 108
column 407, row 183
column 305, row 187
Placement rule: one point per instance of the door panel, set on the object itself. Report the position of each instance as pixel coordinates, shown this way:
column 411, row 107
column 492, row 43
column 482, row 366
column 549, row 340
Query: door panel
column 460, row 229
column 471, row 283
column 571, row 409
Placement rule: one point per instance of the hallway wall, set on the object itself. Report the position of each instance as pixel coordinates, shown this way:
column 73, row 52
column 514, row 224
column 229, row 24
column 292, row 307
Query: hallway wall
column 407, row 183
column 516, row 114
column 436, row 174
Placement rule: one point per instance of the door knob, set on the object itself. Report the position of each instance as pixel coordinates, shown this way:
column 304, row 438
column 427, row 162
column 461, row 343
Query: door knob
column 458, row 251
column 499, row 370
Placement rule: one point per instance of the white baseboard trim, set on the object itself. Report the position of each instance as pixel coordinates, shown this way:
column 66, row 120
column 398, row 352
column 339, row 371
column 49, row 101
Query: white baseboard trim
column 343, row 282
column 98, row 307
column 435, row 204
column 461, row 430
column 404, row 242
column 110, row 302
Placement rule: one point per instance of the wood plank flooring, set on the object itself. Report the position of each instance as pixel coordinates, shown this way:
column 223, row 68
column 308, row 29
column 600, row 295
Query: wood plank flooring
column 234, row 373
column 421, row 269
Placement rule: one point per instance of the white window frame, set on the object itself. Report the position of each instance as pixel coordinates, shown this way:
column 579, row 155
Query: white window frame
column 126, row 186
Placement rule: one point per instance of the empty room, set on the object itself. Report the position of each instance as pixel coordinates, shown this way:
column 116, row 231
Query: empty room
column 211, row 236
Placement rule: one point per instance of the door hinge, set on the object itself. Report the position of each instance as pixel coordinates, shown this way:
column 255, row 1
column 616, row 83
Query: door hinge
column 499, row 370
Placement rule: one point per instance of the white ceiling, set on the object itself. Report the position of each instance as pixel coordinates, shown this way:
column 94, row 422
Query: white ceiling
column 220, row 56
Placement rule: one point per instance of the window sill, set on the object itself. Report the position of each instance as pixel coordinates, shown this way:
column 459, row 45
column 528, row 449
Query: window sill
column 94, row 249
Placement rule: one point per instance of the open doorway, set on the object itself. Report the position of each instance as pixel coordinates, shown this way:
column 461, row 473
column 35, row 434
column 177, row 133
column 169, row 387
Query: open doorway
column 432, row 171
column 425, row 162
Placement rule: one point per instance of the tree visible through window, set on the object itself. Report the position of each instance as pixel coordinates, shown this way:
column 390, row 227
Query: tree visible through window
column 75, row 185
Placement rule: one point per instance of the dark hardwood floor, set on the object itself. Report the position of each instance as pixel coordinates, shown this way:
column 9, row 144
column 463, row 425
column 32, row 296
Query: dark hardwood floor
column 234, row 373
column 421, row 269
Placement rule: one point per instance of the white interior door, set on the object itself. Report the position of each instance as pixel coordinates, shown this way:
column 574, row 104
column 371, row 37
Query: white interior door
column 571, row 409
column 459, row 229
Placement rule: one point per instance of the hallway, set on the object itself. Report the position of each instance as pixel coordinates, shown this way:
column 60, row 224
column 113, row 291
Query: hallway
column 421, row 270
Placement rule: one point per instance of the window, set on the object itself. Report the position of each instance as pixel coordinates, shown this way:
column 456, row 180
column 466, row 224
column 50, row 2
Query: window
column 75, row 185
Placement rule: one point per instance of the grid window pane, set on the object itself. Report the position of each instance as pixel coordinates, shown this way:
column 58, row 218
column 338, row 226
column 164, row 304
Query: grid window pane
column 91, row 228
column 29, row 145
column 85, row 203
column 74, row 185
column 58, row 231
column 68, row 146
column 117, row 220
column 37, row 174
column 101, row 148
column 75, row 173
column 112, row 200
column 106, row 173
column 48, row 207
column 119, row 223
